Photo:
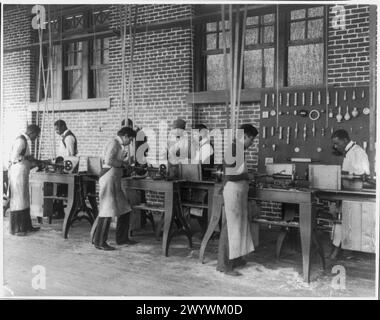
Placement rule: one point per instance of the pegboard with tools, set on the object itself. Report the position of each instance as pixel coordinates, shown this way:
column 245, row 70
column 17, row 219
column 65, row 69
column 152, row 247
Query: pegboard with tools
column 298, row 123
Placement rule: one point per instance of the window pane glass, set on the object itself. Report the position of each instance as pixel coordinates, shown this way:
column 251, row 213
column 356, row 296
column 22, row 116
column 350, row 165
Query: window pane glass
column 268, row 71
column 316, row 12
column 211, row 26
column 226, row 25
column 305, row 65
column 211, row 41
column 73, row 84
column 269, row 18
column 221, row 40
column 252, row 20
column 298, row 14
column 215, row 72
column 253, row 69
column 297, row 30
column 252, row 36
column 268, row 34
column 315, row 29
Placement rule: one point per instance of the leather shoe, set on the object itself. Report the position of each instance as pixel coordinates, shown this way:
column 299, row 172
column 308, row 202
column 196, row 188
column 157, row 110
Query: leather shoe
column 232, row 273
column 20, row 234
column 105, row 247
column 335, row 253
column 128, row 241
column 239, row 262
column 34, row 229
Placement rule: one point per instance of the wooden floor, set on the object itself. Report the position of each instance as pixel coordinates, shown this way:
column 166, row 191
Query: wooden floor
column 75, row 268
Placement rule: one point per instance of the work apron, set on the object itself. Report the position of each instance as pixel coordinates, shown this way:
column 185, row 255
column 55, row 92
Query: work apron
column 19, row 181
column 112, row 200
column 19, row 185
column 235, row 194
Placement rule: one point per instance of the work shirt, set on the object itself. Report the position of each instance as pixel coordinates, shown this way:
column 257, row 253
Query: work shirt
column 68, row 145
column 204, row 152
column 114, row 152
column 355, row 160
column 20, row 149
column 178, row 151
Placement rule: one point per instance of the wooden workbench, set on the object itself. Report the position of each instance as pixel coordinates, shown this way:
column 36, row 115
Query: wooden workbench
column 358, row 208
column 42, row 197
column 304, row 198
column 169, row 188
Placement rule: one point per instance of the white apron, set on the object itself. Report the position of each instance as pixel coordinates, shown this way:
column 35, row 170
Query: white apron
column 235, row 194
column 19, row 181
column 112, row 200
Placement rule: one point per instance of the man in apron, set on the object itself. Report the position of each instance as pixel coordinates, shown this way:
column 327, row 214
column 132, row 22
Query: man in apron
column 112, row 201
column 21, row 161
column 235, row 238
column 68, row 147
column 356, row 162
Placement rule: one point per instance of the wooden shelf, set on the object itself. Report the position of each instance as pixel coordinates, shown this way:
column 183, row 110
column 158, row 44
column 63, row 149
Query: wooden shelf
column 144, row 206
column 194, row 205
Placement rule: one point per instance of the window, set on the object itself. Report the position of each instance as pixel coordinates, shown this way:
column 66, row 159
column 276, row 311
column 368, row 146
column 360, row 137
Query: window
column 301, row 46
column 80, row 68
column 306, row 47
column 259, row 51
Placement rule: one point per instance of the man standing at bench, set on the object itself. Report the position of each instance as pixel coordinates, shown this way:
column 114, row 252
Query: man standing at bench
column 235, row 238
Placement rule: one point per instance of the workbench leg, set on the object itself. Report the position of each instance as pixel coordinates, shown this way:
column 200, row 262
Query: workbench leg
column 168, row 215
column 215, row 218
column 93, row 228
column 69, row 211
column 306, row 228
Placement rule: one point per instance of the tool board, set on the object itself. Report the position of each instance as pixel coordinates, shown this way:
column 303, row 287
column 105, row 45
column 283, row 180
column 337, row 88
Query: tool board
column 298, row 123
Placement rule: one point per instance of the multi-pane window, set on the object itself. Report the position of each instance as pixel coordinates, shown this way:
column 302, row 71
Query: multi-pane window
column 99, row 59
column 216, row 79
column 259, row 51
column 306, row 47
column 258, row 55
column 80, row 68
column 300, row 32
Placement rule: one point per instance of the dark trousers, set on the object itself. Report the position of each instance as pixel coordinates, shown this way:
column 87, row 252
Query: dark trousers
column 101, row 231
column 122, row 228
column 20, row 221
column 224, row 263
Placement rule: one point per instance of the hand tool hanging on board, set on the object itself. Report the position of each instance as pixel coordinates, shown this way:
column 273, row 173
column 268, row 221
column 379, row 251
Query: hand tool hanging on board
column 319, row 97
column 304, row 132
column 303, row 99
column 353, row 95
column 296, row 131
column 313, row 129
column 345, row 95
column 280, row 99
column 339, row 116
column 355, row 112
column 272, row 131
column 264, row 132
column 311, row 98
column 336, row 98
column 287, row 135
column 265, row 100
column 287, row 99
column 347, row 115
column 280, row 133
column 295, row 98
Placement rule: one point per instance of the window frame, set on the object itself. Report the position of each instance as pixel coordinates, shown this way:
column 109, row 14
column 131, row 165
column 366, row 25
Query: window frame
column 281, row 37
column 70, row 37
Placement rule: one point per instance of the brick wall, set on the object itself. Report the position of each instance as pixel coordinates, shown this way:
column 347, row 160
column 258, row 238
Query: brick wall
column 348, row 49
column 16, row 76
column 162, row 78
